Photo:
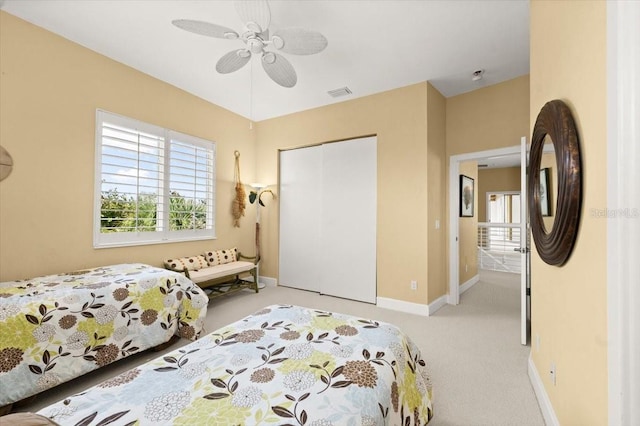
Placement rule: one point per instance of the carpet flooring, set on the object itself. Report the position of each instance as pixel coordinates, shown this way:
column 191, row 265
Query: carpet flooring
column 473, row 350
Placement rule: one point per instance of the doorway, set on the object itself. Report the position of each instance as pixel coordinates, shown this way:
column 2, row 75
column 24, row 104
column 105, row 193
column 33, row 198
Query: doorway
column 499, row 234
column 518, row 154
column 503, row 207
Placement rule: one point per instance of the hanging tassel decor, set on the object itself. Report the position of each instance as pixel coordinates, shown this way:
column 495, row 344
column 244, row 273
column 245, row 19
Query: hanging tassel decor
column 239, row 203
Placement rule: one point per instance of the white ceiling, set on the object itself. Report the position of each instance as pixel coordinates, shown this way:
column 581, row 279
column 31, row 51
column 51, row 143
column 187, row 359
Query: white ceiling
column 510, row 160
column 374, row 45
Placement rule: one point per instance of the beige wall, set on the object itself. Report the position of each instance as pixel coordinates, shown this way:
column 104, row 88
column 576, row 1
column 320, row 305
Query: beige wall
column 408, row 176
column 436, row 189
column 399, row 119
column 495, row 180
column 569, row 303
column 488, row 118
column 49, row 91
column 468, row 229
column 412, row 124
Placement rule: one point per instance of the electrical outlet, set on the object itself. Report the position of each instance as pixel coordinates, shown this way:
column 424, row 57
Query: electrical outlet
column 414, row 285
column 553, row 373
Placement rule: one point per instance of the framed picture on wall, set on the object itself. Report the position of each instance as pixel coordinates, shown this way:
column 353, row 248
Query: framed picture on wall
column 545, row 197
column 466, row 196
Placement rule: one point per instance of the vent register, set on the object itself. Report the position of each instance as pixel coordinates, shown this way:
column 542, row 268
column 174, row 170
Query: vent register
column 336, row 93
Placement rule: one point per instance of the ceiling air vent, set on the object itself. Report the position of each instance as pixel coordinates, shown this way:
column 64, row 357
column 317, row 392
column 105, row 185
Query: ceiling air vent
column 336, row 93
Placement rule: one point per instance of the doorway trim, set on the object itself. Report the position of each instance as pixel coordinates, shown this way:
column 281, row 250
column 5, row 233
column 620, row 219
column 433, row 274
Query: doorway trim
column 623, row 207
column 453, row 297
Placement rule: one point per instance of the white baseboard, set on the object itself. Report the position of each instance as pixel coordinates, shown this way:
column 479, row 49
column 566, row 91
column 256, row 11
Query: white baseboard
column 410, row 307
column 263, row 281
column 470, row 283
column 401, row 305
column 437, row 304
column 544, row 402
column 268, row 281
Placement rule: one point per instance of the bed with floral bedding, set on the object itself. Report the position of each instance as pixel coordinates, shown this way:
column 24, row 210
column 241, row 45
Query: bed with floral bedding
column 55, row 328
column 281, row 365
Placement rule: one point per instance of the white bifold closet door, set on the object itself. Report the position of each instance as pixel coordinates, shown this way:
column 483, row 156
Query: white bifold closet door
column 328, row 198
column 300, row 196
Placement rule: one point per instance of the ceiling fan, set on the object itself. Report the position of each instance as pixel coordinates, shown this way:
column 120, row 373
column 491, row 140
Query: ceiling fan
column 257, row 16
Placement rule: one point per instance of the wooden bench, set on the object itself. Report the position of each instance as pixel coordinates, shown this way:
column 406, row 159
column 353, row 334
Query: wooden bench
column 223, row 279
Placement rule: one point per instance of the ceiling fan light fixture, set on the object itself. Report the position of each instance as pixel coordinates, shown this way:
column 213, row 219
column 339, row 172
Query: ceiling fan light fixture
column 278, row 42
column 257, row 16
column 255, row 45
column 269, row 57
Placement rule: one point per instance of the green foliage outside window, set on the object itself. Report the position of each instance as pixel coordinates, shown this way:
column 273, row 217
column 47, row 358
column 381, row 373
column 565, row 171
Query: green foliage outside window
column 123, row 213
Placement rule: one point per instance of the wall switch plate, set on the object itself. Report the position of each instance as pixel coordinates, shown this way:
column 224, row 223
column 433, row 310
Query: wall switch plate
column 414, row 285
column 437, row 224
column 552, row 373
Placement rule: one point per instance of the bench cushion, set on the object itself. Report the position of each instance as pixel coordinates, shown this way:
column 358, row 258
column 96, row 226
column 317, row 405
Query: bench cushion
column 220, row 271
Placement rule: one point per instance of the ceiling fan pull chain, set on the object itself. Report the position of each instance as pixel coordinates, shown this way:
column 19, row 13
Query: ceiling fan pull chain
column 251, row 96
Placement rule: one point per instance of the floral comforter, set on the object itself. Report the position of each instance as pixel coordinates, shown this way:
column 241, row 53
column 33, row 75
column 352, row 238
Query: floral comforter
column 281, row 365
column 58, row 327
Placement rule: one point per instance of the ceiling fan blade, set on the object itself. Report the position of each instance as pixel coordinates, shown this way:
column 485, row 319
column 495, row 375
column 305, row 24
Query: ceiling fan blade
column 233, row 61
column 205, row 28
column 279, row 69
column 256, row 11
column 299, row 41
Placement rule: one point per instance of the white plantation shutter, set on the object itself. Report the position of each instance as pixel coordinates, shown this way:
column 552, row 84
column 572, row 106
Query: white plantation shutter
column 191, row 169
column 153, row 185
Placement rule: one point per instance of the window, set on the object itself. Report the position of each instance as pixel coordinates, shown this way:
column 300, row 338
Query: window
column 503, row 207
column 153, row 185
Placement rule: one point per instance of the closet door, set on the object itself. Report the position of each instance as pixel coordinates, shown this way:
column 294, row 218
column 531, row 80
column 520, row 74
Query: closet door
column 300, row 196
column 347, row 259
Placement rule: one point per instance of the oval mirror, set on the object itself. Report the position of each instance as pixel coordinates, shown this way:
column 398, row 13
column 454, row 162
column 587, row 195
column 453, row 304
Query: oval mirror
column 548, row 184
column 6, row 163
column 555, row 228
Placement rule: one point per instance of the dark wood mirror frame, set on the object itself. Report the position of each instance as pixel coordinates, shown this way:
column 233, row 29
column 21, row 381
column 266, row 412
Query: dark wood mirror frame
column 555, row 120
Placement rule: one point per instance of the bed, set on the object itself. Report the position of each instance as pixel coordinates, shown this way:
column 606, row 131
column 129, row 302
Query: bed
column 55, row 328
column 281, row 365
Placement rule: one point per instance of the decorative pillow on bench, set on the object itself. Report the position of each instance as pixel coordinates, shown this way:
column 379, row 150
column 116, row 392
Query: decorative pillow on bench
column 220, row 257
column 192, row 263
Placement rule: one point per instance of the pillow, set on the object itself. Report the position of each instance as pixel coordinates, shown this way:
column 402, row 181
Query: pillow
column 193, row 263
column 220, row 257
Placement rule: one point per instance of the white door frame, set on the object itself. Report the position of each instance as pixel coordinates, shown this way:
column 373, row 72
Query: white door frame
column 453, row 297
column 525, row 249
column 623, row 212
